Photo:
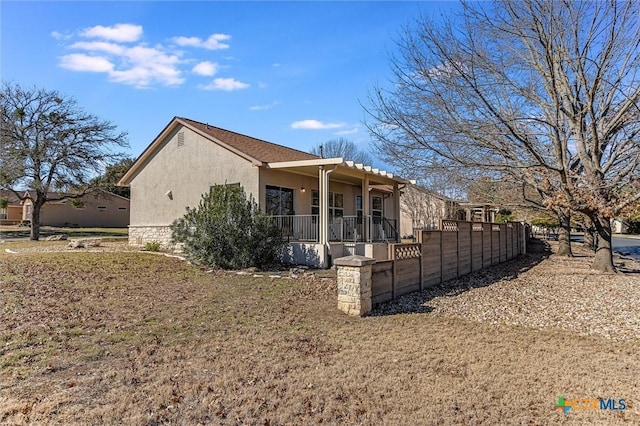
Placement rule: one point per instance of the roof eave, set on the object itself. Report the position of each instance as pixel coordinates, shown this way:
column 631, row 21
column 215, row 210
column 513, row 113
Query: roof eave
column 339, row 162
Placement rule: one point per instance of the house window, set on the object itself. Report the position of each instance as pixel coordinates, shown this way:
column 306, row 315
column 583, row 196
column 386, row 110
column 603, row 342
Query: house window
column 336, row 203
column 376, row 207
column 4, row 215
column 279, row 201
column 359, row 205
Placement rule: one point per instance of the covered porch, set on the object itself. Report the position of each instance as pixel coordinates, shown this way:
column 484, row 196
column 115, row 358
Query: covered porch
column 330, row 201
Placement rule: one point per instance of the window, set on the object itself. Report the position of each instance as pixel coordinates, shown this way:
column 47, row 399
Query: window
column 359, row 205
column 336, row 203
column 4, row 215
column 376, row 207
column 279, row 201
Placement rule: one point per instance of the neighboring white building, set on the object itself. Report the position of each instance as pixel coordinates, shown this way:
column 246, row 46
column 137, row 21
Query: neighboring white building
column 619, row 226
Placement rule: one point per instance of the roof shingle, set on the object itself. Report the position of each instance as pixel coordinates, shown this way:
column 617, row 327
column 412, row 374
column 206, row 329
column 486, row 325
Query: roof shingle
column 266, row 152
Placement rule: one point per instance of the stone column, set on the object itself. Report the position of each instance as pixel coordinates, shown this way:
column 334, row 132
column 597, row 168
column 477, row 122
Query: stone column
column 354, row 284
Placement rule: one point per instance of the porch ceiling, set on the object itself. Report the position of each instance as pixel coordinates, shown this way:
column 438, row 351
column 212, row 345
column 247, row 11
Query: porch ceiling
column 345, row 171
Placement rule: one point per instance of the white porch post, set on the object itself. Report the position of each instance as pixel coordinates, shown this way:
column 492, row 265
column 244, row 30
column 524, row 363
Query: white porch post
column 322, row 238
column 396, row 208
column 366, row 208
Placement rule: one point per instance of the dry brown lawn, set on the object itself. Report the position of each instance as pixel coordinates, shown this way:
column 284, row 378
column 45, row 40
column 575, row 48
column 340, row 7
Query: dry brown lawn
column 142, row 339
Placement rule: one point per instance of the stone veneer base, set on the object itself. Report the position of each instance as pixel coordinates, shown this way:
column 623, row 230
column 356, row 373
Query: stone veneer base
column 141, row 235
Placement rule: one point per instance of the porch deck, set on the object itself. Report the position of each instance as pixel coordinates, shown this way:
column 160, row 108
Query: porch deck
column 306, row 228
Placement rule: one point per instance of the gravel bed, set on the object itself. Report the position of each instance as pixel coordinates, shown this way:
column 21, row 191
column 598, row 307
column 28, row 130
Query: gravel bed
column 539, row 291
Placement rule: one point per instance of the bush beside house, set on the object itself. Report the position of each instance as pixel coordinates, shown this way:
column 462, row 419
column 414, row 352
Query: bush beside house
column 228, row 231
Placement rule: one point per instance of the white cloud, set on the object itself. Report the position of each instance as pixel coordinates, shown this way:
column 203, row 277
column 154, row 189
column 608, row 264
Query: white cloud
column 348, row 131
column 99, row 46
column 214, row 42
column 226, row 84
column 59, row 36
column 263, row 107
column 124, row 57
column 118, row 32
column 205, row 68
column 315, row 125
column 82, row 62
column 139, row 66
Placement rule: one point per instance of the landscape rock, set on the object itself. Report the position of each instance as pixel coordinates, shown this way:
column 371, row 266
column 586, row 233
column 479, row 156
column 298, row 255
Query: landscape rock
column 57, row 237
column 85, row 243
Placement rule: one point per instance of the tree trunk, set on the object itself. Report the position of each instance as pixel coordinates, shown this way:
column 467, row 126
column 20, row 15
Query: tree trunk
column 589, row 238
column 564, row 234
column 603, row 260
column 35, row 221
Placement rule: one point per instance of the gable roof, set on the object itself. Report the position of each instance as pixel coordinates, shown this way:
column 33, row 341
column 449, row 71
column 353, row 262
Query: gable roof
column 55, row 197
column 257, row 151
column 12, row 199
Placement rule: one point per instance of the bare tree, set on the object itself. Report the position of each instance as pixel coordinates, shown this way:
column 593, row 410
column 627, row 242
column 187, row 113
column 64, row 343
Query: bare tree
column 342, row 148
column 51, row 145
column 544, row 92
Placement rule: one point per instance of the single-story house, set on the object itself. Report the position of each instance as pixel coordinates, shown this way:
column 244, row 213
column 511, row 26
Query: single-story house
column 10, row 209
column 326, row 207
column 620, row 226
column 423, row 209
column 478, row 212
column 95, row 209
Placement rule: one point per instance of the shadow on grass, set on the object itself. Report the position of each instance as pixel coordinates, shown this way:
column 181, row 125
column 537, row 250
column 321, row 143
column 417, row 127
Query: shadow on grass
column 417, row 302
column 627, row 265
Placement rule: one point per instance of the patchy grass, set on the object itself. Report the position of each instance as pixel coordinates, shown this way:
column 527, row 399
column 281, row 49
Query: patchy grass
column 142, row 339
column 21, row 232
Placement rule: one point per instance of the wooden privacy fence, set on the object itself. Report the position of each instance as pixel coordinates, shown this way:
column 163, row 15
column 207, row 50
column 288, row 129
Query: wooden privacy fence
column 459, row 248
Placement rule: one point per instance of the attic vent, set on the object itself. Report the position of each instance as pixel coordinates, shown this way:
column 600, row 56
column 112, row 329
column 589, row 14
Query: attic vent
column 180, row 139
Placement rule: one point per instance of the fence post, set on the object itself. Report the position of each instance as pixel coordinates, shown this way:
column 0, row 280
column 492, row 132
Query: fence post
column 354, row 284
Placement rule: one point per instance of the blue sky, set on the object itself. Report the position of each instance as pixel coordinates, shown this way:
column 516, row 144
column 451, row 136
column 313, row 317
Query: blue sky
column 293, row 73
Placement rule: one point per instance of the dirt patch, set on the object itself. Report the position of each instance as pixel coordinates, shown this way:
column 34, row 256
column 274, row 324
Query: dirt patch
column 133, row 338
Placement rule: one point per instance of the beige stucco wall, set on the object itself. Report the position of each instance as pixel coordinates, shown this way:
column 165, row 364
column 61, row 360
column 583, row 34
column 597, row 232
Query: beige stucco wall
column 187, row 171
column 420, row 209
column 14, row 213
column 116, row 214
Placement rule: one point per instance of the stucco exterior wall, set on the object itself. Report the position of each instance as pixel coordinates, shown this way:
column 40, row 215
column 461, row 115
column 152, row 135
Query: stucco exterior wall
column 14, row 215
column 186, row 170
column 100, row 210
column 419, row 209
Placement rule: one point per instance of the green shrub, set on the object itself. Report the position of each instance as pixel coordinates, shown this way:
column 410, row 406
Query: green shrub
column 153, row 246
column 228, row 231
column 504, row 216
